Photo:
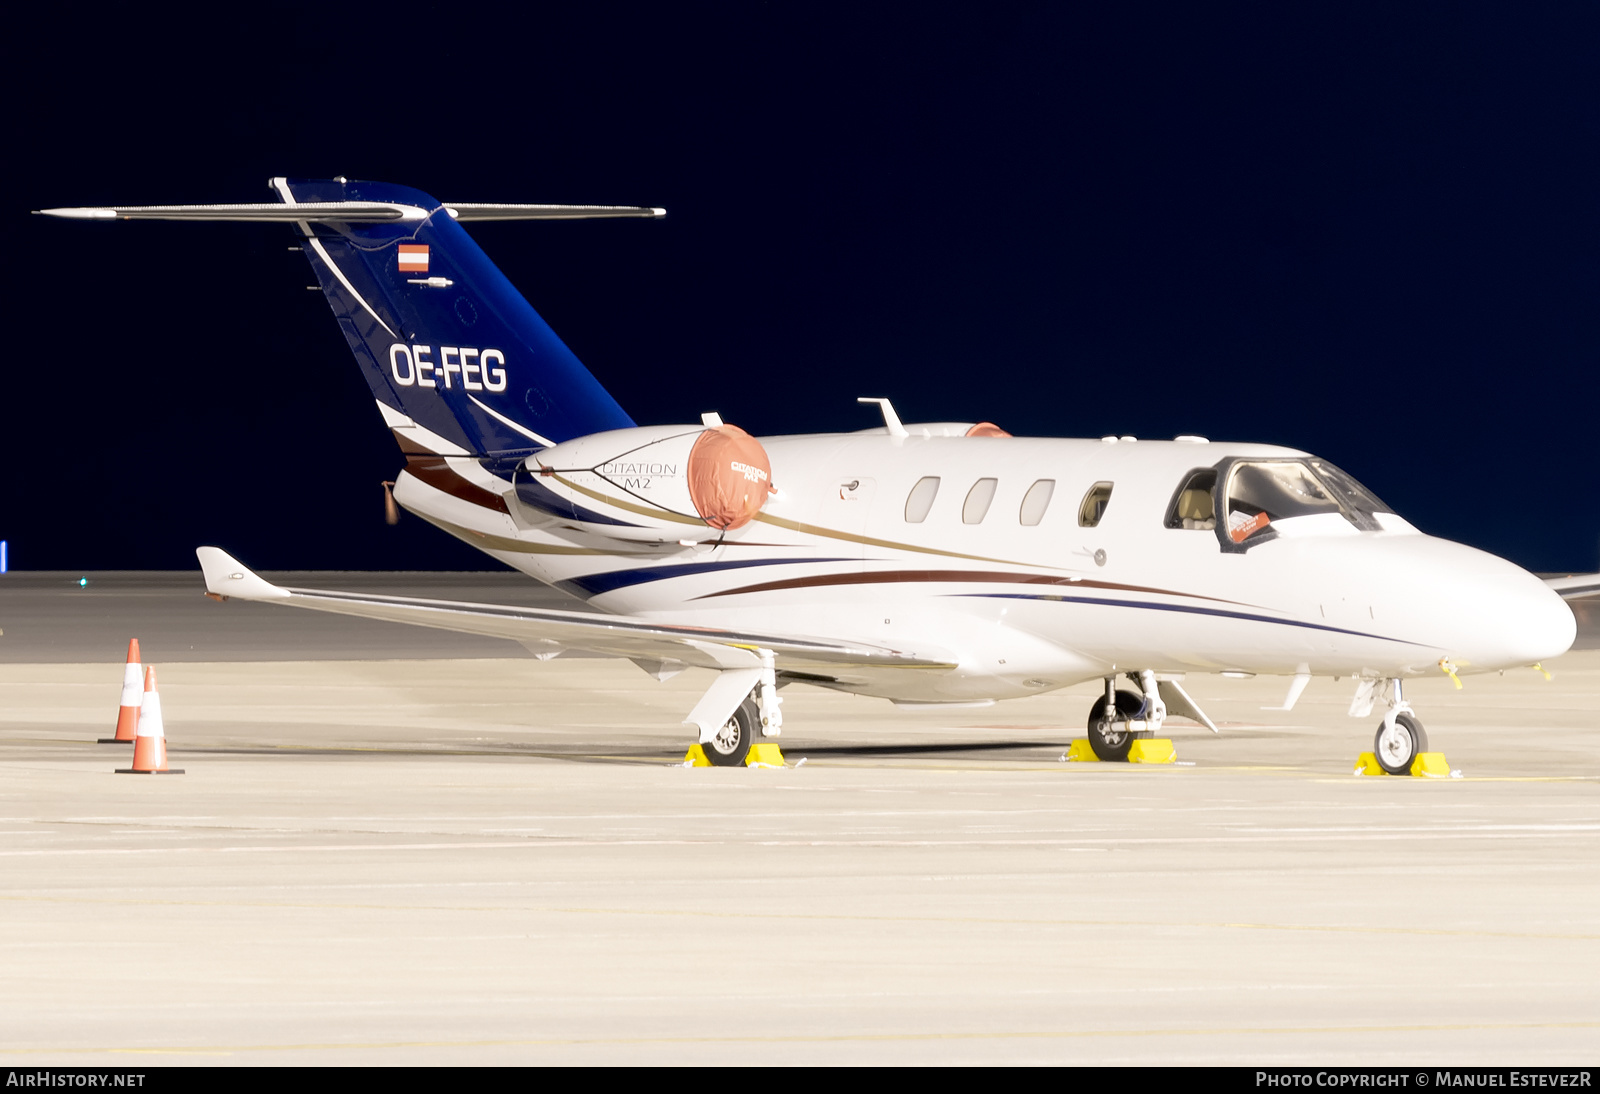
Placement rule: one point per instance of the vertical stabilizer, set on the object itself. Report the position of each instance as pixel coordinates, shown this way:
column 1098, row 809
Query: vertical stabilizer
column 440, row 334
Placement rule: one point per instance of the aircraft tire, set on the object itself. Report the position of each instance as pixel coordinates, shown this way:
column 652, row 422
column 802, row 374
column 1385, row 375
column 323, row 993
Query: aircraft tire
column 729, row 747
column 1397, row 750
column 1111, row 741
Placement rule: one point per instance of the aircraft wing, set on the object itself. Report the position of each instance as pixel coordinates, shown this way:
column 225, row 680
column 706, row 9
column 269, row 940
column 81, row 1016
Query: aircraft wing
column 1571, row 588
column 554, row 630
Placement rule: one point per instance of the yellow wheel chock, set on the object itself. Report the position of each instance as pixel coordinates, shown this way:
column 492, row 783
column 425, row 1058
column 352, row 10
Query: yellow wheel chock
column 1151, row 750
column 1427, row 765
column 763, row 754
column 1155, row 750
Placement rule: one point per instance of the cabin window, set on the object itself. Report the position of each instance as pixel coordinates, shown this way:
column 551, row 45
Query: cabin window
column 976, row 507
column 1094, row 505
column 1036, row 501
column 1192, row 505
column 1260, row 493
column 920, row 500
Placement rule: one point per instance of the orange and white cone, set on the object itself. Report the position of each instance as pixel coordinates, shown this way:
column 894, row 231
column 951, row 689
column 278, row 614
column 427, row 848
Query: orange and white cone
column 150, row 746
column 132, row 696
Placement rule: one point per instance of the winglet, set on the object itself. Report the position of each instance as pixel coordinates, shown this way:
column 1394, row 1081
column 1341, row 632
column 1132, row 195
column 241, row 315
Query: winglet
column 226, row 576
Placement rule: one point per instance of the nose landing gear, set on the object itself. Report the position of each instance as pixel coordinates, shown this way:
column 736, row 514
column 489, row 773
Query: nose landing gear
column 1401, row 738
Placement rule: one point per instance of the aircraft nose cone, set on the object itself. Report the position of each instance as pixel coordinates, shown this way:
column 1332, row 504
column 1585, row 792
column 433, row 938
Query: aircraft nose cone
column 1547, row 627
column 1516, row 618
column 1484, row 612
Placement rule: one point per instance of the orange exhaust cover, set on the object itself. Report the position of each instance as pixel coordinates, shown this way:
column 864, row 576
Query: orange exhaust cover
column 729, row 477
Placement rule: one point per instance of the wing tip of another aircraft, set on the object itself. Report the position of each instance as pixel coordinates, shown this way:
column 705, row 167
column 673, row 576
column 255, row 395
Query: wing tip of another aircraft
column 85, row 213
column 227, row 577
column 1575, row 586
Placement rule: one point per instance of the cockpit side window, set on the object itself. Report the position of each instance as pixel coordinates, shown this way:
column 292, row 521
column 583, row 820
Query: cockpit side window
column 1193, row 505
column 1094, row 505
column 1260, row 493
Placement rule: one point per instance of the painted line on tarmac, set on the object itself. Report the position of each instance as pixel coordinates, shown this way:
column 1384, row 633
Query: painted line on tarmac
column 192, row 821
column 672, row 760
column 830, row 917
column 1341, row 836
column 816, row 1038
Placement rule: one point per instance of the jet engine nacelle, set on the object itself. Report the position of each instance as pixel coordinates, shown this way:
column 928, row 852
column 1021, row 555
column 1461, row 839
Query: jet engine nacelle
column 651, row 484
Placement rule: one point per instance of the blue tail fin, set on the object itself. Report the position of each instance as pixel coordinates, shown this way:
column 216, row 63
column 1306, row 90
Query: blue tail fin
column 440, row 334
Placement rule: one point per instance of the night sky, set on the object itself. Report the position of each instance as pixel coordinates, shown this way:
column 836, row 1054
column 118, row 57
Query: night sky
column 1367, row 231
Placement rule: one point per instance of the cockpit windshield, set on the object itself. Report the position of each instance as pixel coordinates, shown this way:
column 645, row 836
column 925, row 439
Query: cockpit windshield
column 1260, row 493
column 1361, row 505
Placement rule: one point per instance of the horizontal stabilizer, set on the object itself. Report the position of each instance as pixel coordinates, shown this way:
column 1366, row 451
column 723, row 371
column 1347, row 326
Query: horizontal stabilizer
column 348, row 212
column 612, row 635
column 317, row 212
column 478, row 211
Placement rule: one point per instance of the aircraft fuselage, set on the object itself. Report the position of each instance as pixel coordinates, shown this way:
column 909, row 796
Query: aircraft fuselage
column 1024, row 608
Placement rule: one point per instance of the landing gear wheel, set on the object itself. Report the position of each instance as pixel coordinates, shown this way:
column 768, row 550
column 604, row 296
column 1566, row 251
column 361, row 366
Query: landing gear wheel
column 729, row 745
column 1397, row 747
column 1110, row 738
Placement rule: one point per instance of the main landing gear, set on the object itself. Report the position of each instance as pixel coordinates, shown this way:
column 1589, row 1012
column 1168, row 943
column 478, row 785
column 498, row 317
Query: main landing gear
column 1118, row 718
column 729, row 746
column 740, row 707
column 1111, row 732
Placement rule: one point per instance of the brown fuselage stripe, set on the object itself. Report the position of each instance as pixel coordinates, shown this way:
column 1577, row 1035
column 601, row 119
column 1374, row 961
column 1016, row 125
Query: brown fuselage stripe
column 438, row 474
column 955, row 576
column 490, row 542
column 411, row 447
column 433, row 470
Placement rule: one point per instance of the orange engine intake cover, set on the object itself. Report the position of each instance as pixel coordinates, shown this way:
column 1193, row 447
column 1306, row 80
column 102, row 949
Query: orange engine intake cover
column 729, row 477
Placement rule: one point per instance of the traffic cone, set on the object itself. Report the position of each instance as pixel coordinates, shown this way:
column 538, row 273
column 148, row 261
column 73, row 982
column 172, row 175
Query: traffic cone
column 150, row 746
column 132, row 693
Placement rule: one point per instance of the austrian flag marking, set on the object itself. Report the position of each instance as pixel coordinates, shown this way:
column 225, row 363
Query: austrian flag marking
column 413, row 258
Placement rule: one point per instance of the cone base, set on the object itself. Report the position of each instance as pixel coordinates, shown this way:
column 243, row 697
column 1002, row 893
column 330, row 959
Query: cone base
column 132, row 771
column 115, row 741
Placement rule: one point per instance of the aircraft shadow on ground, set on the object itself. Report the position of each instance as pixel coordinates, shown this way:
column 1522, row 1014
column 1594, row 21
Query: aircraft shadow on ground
column 611, row 755
column 924, row 749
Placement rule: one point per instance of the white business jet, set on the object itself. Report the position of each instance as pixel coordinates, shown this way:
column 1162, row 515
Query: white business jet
column 924, row 563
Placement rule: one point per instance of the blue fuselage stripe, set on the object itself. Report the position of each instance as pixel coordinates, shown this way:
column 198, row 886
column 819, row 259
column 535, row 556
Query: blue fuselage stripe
column 533, row 493
column 596, row 584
